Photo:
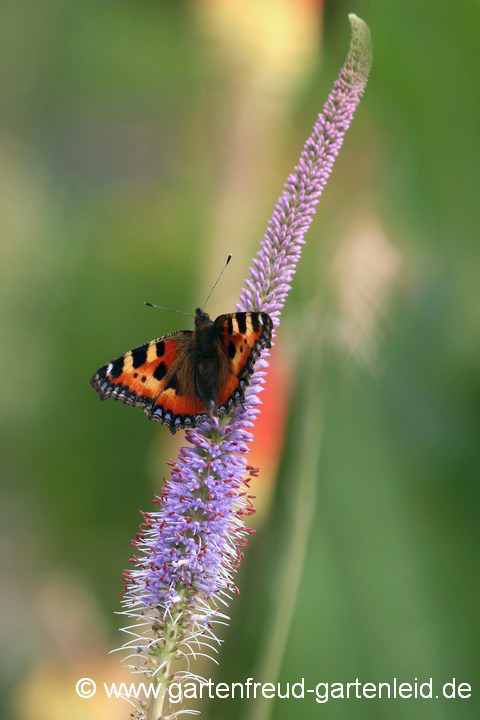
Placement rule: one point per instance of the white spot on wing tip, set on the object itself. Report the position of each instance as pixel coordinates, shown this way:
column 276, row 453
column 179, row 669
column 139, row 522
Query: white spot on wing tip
column 109, row 368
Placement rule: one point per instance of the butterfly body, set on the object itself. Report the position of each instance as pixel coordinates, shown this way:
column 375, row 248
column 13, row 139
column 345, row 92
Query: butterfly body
column 181, row 378
column 206, row 358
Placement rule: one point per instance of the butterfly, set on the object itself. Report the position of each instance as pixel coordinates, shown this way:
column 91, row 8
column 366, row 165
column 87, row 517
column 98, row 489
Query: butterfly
column 181, row 378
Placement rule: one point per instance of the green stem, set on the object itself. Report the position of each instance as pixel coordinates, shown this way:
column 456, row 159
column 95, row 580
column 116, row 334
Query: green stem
column 156, row 704
column 172, row 633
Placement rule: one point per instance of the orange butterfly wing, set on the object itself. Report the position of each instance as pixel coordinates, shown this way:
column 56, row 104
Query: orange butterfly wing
column 158, row 377
column 242, row 335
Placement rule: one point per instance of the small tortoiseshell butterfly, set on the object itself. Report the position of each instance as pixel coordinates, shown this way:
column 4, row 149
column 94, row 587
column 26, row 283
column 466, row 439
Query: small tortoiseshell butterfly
column 177, row 377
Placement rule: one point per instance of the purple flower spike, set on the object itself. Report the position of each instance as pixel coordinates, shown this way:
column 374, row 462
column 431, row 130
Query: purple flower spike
column 268, row 283
column 187, row 552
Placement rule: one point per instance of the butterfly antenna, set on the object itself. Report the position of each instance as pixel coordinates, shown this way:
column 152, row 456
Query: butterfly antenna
column 217, row 281
column 160, row 307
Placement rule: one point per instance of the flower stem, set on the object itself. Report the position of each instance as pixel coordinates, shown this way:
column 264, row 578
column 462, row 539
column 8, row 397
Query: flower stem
column 156, row 703
column 172, row 634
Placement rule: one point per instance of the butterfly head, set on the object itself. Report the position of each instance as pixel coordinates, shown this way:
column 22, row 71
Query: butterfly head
column 202, row 318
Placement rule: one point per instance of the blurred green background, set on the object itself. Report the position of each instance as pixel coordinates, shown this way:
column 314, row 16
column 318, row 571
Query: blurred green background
column 140, row 142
